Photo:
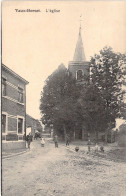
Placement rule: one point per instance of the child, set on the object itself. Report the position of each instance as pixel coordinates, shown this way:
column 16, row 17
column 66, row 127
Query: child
column 42, row 142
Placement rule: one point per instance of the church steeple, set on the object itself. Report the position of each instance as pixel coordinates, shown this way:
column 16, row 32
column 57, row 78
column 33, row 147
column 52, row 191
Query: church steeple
column 79, row 50
column 79, row 67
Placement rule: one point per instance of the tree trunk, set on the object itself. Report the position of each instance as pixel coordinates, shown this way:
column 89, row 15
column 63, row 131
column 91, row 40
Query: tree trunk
column 111, row 137
column 106, row 136
column 64, row 127
column 96, row 136
column 96, row 132
column 74, row 133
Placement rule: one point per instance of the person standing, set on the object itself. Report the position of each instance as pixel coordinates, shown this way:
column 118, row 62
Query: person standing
column 28, row 140
column 56, row 141
column 89, row 145
column 67, row 140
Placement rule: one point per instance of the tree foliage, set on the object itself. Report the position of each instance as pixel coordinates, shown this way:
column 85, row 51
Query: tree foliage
column 107, row 76
column 58, row 100
column 92, row 108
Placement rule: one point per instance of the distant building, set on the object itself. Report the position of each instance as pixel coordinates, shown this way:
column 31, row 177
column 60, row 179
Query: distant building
column 32, row 125
column 13, row 109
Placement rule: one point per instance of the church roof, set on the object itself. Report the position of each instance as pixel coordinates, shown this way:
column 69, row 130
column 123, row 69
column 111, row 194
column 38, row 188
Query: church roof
column 79, row 50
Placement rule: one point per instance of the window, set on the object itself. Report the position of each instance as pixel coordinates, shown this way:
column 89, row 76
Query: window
column 3, row 87
column 3, row 123
column 79, row 74
column 20, row 126
column 20, row 94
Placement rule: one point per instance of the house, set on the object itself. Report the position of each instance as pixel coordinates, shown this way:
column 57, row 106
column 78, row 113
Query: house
column 32, row 125
column 13, row 109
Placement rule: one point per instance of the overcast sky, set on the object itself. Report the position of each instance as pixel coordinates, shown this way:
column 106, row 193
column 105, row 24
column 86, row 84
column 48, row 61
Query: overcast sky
column 35, row 44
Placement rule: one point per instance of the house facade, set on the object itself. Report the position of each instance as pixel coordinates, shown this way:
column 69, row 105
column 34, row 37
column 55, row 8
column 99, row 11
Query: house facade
column 13, row 109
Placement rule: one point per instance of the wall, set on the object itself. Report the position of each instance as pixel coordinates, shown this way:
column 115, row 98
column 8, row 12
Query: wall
column 13, row 145
column 13, row 109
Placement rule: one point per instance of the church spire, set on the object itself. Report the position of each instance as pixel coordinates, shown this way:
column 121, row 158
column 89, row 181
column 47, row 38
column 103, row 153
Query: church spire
column 79, row 50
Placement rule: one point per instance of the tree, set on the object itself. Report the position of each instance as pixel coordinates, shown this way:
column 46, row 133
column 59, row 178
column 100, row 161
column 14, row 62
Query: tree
column 58, row 100
column 107, row 76
column 91, row 109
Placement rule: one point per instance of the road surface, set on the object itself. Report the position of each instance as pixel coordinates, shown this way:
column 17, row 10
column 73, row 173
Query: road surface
column 61, row 172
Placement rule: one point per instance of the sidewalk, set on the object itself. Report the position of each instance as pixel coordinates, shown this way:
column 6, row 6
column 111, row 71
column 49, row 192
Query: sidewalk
column 13, row 152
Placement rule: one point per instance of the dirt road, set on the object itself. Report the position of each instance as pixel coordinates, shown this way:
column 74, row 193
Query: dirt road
column 61, row 172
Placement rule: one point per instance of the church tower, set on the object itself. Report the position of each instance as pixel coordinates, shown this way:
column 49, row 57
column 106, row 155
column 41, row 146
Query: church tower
column 79, row 67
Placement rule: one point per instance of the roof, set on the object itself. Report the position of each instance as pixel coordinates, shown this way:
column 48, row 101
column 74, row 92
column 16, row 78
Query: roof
column 30, row 117
column 79, row 50
column 14, row 74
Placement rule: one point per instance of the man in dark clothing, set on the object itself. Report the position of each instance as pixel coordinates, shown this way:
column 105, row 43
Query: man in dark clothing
column 56, row 141
column 67, row 140
column 28, row 139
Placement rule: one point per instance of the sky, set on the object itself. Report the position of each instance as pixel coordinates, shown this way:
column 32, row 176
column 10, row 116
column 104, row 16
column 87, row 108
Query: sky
column 35, row 44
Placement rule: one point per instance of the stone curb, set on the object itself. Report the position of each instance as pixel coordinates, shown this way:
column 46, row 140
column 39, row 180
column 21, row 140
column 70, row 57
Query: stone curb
column 16, row 154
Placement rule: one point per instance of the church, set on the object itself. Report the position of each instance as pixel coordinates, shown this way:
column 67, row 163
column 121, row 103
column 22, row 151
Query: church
column 80, row 69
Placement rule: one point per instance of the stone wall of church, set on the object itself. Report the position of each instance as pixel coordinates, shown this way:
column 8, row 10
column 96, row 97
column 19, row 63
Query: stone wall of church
column 75, row 66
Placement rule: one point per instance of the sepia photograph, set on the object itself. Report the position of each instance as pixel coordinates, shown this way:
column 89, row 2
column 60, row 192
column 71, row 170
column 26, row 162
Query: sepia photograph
column 63, row 98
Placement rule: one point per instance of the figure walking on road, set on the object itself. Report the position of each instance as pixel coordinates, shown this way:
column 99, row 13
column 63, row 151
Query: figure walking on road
column 56, row 141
